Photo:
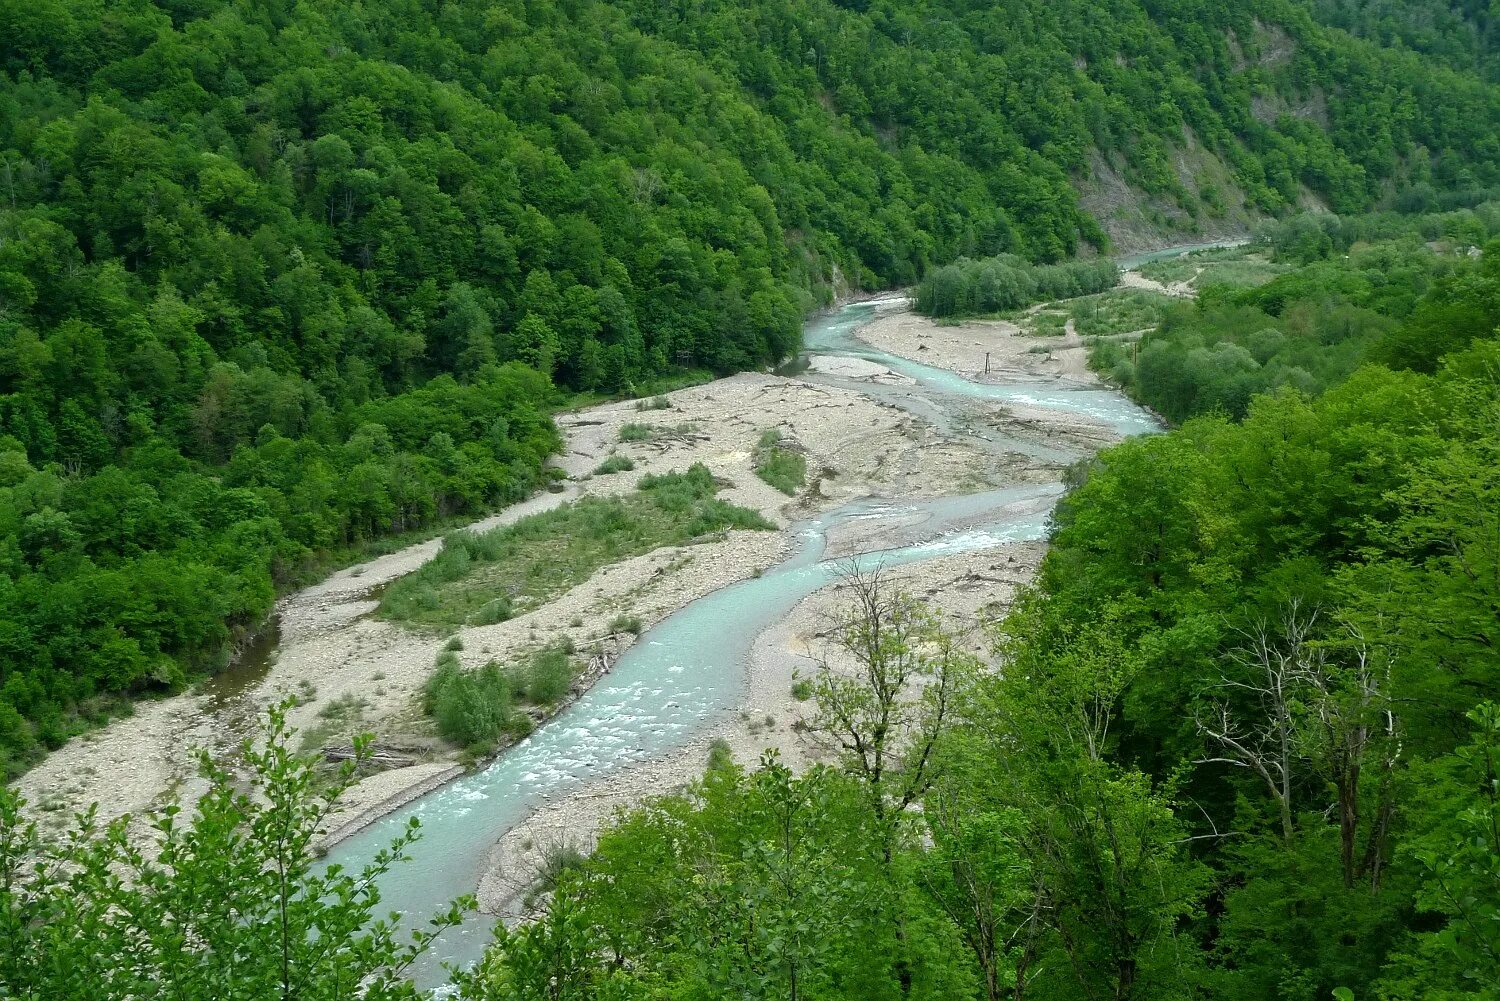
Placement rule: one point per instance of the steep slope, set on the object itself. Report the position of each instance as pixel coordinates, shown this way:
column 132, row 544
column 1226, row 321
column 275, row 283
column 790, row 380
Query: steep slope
column 278, row 278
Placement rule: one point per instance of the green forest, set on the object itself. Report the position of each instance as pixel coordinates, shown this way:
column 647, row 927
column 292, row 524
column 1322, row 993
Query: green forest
column 282, row 282
column 277, row 280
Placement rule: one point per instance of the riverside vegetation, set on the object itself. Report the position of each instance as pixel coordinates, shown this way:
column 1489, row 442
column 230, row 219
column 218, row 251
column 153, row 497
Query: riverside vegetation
column 280, row 279
column 482, row 579
column 1244, row 743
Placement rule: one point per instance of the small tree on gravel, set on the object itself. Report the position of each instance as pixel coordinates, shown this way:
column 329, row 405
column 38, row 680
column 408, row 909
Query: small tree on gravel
column 887, row 708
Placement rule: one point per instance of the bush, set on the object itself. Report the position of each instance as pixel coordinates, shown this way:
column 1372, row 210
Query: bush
column 655, row 403
column 547, row 678
column 802, row 689
column 720, row 755
column 470, row 708
column 782, row 468
column 614, row 464
column 636, row 432
column 491, row 612
column 625, row 624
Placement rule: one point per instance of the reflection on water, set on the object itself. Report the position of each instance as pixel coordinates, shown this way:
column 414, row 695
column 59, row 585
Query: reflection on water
column 247, row 669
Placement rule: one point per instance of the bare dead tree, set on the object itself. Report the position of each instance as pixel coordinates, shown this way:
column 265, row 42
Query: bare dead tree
column 1273, row 664
column 1323, row 708
column 646, row 184
column 1351, row 724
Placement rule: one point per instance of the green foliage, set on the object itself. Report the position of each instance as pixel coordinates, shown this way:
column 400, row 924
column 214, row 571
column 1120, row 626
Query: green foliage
column 1121, row 311
column 472, row 708
column 631, row 431
column 275, row 284
column 1457, row 854
column 614, row 464
column 546, row 677
column 1238, row 267
column 129, row 580
column 783, row 468
column 230, row 902
column 1309, row 328
column 625, row 624
column 1308, row 599
column 478, row 577
column 968, row 288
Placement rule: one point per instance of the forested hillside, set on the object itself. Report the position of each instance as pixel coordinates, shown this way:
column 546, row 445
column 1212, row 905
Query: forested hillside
column 277, row 279
column 1462, row 33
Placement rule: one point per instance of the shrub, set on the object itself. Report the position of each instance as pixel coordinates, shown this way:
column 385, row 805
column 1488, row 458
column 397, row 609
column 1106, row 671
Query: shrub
column 802, row 689
column 614, row 464
column 470, row 708
column 720, row 755
column 625, row 624
column 636, row 432
column 491, row 612
column 547, row 678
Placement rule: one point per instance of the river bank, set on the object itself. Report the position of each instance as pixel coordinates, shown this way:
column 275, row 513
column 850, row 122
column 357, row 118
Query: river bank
column 973, row 590
column 349, row 671
column 875, row 415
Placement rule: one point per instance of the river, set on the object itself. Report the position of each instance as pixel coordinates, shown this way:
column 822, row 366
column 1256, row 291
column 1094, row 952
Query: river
column 690, row 668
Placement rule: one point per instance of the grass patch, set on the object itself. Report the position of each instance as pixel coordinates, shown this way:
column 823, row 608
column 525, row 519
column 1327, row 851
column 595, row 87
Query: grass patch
column 802, row 689
column 1046, row 323
column 614, row 464
column 489, row 577
column 655, row 403
column 782, row 468
column 1241, row 267
column 345, row 709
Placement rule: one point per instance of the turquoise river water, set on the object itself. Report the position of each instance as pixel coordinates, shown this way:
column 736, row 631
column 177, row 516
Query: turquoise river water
column 690, row 669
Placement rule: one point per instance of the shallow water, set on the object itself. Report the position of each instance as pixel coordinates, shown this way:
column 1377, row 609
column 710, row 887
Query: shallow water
column 1134, row 261
column 689, row 670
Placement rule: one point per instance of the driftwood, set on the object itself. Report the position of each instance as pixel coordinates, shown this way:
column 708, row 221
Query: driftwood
column 377, row 758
